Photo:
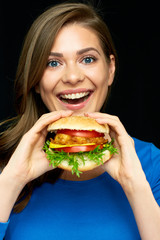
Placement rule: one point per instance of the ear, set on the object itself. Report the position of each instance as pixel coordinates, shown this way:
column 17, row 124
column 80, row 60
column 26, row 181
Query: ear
column 37, row 88
column 112, row 69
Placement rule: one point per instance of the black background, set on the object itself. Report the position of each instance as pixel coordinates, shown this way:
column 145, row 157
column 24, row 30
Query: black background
column 135, row 30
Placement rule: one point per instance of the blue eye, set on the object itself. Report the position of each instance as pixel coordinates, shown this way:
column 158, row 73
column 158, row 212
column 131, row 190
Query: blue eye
column 88, row 60
column 53, row 63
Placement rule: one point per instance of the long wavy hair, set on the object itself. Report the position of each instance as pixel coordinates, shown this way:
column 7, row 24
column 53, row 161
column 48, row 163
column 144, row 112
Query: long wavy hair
column 32, row 63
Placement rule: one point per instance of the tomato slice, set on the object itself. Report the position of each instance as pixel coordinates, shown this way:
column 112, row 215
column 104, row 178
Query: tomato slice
column 81, row 133
column 78, row 148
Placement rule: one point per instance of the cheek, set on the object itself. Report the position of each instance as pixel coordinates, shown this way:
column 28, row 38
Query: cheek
column 47, row 83
column 44, row 85
column 99, row 78
column 101, row 73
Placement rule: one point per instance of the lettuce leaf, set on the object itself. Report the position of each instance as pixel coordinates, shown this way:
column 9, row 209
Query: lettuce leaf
column 56, row 157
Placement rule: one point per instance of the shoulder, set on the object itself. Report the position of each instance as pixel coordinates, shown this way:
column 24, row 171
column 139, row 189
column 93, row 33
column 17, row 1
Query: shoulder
column 149, row 156
column 146, row 149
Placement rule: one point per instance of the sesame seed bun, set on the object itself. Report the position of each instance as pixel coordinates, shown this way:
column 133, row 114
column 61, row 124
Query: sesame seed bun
column 78, row 123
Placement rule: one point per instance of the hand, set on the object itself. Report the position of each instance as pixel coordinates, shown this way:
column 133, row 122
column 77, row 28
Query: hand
column 125, row 166
column 29, row 160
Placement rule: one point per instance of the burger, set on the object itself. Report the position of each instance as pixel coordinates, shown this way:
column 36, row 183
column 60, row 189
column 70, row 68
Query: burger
column 78, row 144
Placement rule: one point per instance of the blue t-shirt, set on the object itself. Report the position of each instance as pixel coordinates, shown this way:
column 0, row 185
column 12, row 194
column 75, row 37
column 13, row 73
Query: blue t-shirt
column 93, row 209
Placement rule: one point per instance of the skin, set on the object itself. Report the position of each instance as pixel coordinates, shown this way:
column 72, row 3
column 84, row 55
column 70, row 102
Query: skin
column 76, row 71
column 73, row 73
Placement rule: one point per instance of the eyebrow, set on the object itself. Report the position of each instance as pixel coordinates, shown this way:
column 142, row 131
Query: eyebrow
column 84, row 50
column 79, row 52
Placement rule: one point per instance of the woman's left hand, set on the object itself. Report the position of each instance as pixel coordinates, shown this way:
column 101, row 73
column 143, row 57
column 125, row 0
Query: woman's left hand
column 125, row 166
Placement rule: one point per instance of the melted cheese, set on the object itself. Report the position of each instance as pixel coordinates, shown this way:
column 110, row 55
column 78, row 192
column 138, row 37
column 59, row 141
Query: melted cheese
column 52, row 145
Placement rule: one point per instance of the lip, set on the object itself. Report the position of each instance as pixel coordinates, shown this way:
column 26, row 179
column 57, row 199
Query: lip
column 78, row 90
column 75, row 106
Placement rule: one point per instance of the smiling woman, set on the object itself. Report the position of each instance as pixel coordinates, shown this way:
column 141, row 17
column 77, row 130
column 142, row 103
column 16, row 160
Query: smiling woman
column 67, row 66
column 67, row 62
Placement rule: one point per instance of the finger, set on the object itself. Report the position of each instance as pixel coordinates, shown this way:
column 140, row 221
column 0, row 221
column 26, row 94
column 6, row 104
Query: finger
column 113, row 121
column 100, row 115
column 48, row 118
column 117, row 130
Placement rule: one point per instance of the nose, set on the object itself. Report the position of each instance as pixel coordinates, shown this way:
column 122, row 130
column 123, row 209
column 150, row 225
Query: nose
column 73, row 74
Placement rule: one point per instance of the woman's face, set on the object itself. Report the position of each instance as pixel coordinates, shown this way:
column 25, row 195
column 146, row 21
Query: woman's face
column 77, row 75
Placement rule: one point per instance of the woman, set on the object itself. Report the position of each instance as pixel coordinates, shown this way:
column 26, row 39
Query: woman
column 67, row 67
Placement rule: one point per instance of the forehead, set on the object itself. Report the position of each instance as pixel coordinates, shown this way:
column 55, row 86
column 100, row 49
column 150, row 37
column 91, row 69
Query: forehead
column 74, row 37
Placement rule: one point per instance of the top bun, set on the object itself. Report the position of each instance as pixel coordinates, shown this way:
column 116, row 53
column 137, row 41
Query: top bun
column 78, row 123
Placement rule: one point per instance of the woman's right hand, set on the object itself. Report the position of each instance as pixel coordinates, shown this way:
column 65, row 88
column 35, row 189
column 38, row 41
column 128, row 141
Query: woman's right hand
column 27, row 163
column 29, row 160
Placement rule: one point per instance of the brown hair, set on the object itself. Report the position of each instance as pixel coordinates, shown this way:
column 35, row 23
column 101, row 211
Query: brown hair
column 32, row 64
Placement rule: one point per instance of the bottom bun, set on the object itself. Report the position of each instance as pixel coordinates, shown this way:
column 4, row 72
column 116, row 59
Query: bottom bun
column 89, row 164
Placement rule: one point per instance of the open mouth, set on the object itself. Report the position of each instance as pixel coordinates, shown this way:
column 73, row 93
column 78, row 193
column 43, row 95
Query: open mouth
column 74, row 98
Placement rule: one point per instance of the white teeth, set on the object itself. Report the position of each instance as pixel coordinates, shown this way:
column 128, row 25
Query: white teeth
column 74, row 95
